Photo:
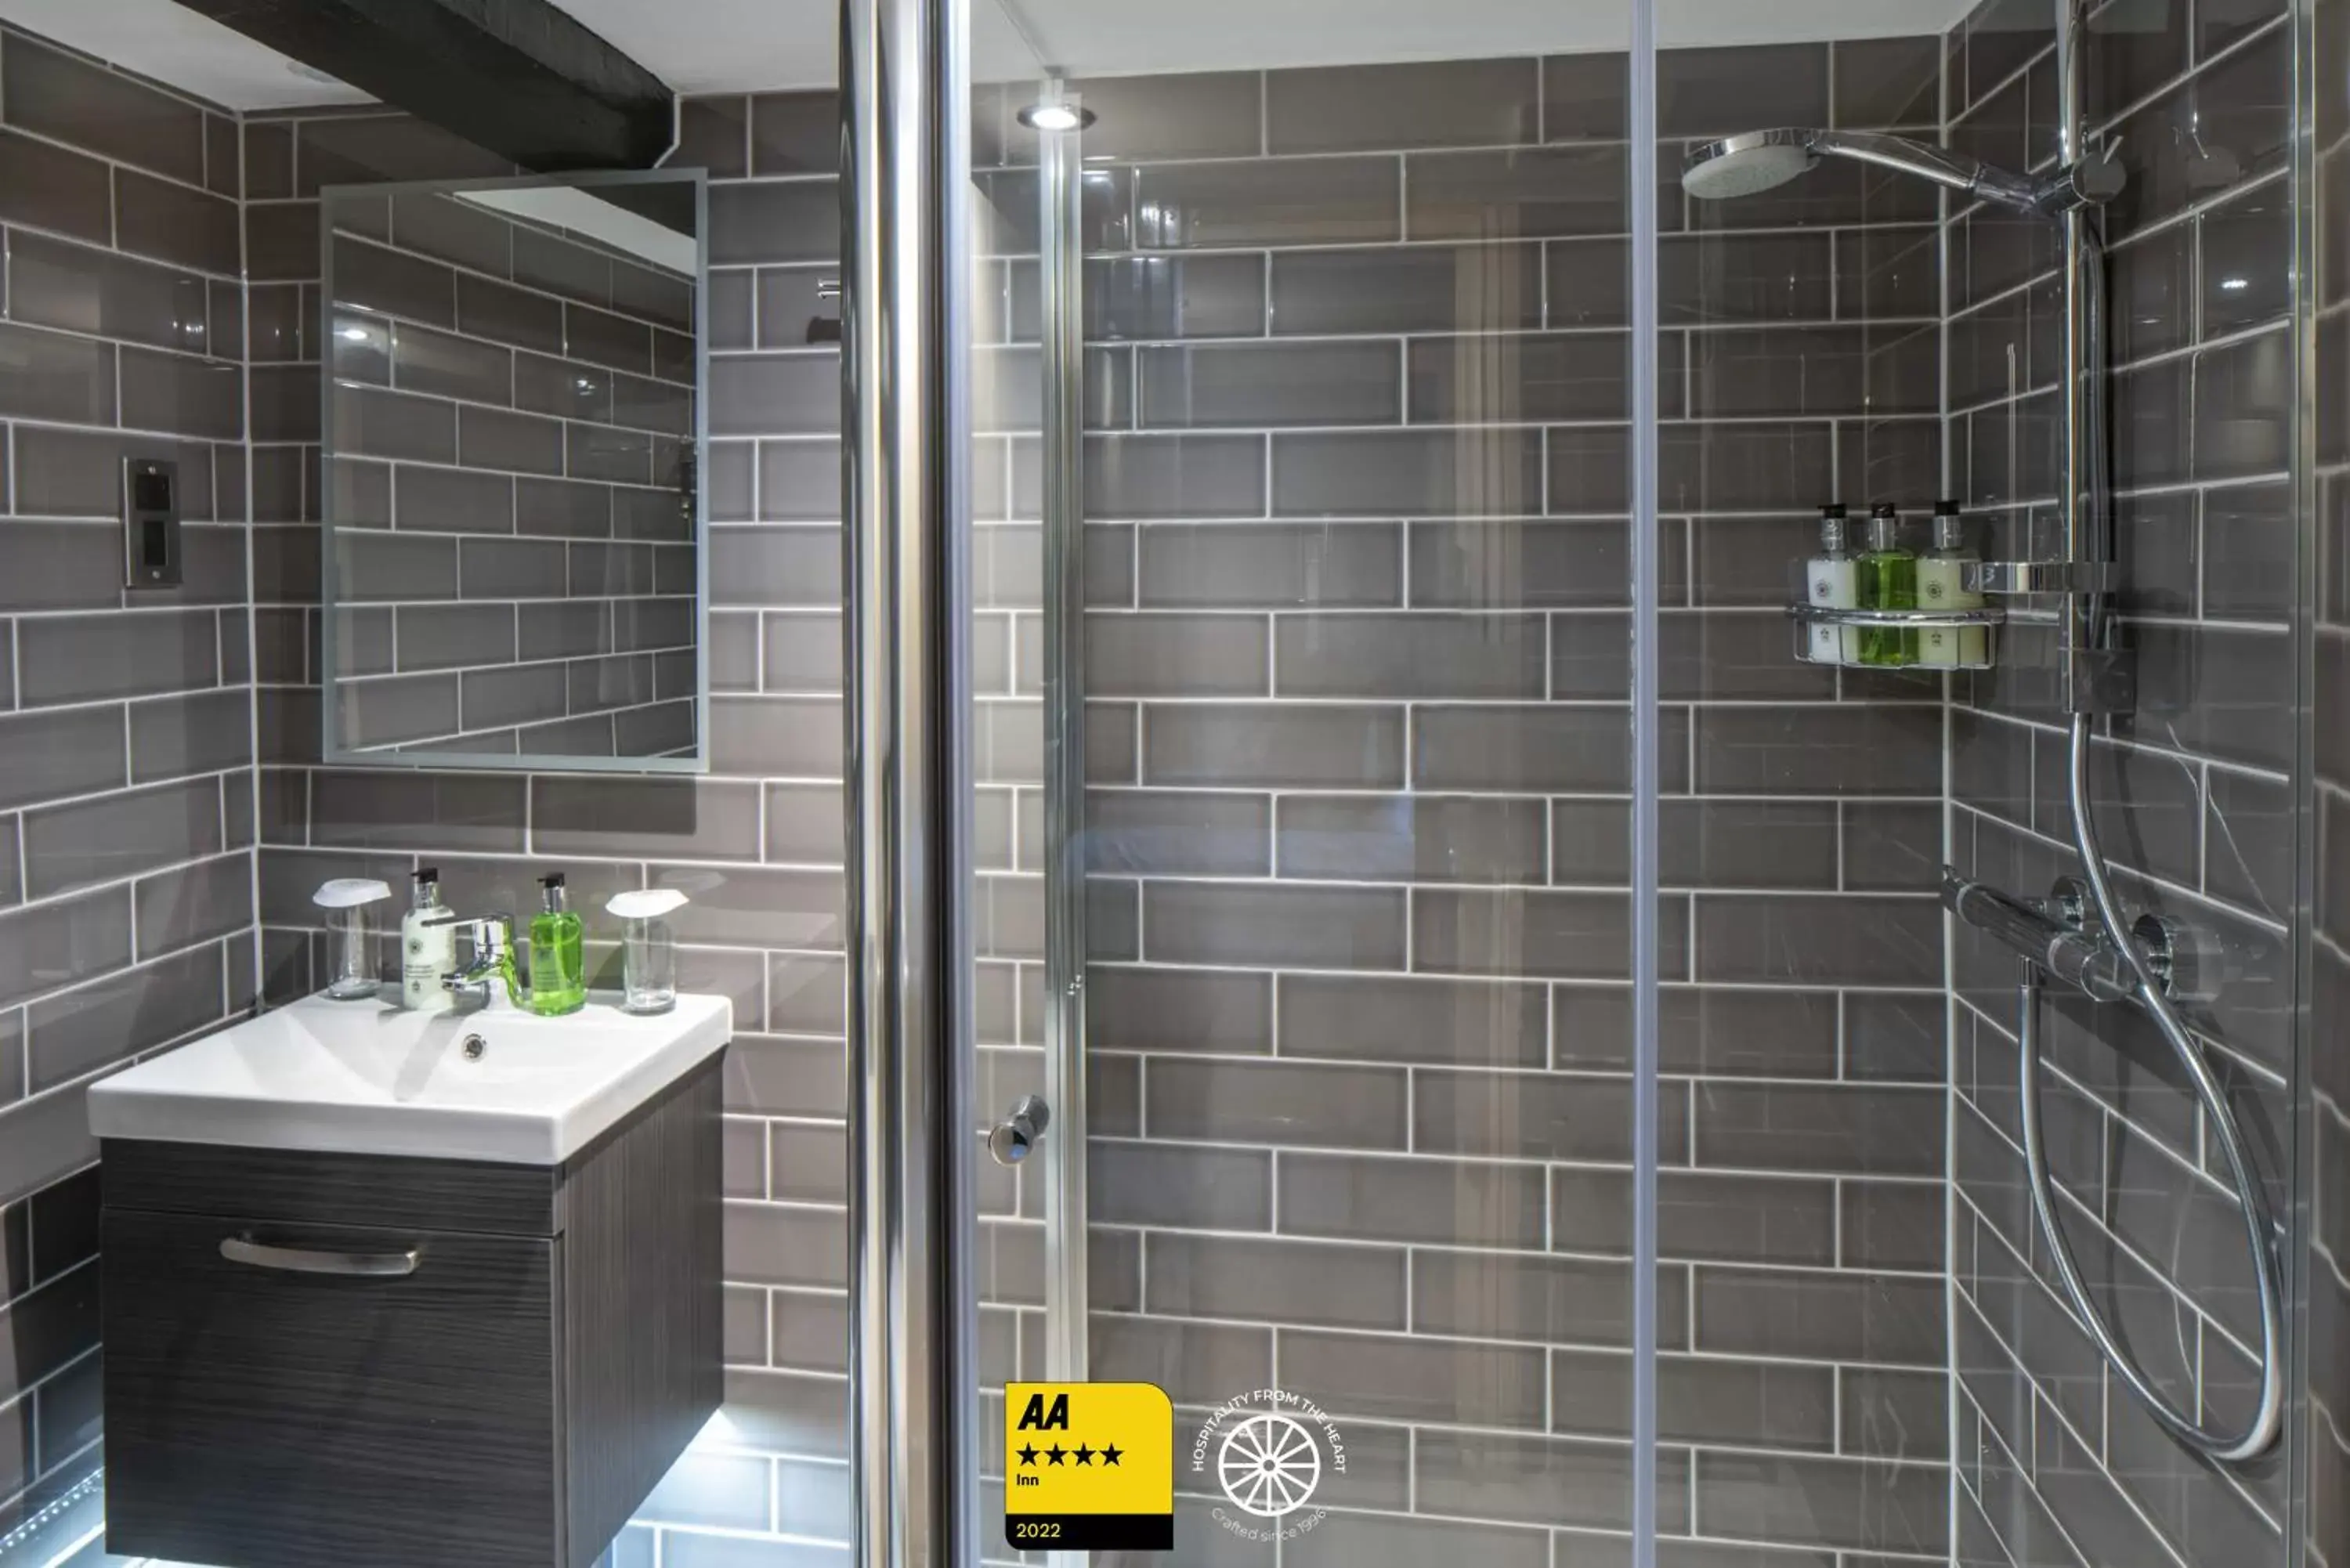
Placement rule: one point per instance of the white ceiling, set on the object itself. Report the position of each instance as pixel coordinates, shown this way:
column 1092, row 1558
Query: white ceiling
column 706, row 46
column 167, row 41
column 1112, row 38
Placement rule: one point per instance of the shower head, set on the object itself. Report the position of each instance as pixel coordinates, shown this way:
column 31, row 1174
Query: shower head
column 1747, row 165
column 1758, row 161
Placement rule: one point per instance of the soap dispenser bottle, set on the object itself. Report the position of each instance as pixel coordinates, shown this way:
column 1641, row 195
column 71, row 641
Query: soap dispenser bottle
column 1942, row 586
column 1832, row 580
column 1887, row 581
column 428, row 947
column 555, row 953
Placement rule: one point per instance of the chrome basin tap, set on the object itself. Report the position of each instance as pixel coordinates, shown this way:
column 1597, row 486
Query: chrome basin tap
column 490, row 940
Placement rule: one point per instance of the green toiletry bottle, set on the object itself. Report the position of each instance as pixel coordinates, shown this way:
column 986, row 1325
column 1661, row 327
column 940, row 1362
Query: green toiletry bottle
column 1889, row 581
column 558, row 972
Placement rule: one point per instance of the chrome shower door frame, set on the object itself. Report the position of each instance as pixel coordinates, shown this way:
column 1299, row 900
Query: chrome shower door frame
column 1061, row 276
column 905, row 414
column 1647, row 770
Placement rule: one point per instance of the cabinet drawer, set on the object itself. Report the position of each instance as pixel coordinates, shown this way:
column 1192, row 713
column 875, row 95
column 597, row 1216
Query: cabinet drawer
column 268, row 1417
column 299, row 1187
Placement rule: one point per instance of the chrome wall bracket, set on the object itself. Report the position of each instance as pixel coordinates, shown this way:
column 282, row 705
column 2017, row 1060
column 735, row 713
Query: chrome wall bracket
column 2086, row 182
column 2093, row 678
column 2041, row 576
column 2098, row 681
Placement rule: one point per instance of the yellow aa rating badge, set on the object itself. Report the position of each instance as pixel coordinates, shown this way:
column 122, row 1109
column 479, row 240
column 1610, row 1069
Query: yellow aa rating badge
column 1089, row 1467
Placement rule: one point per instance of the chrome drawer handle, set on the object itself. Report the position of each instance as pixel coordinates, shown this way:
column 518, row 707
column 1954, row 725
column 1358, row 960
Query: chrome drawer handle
column 305, row 1260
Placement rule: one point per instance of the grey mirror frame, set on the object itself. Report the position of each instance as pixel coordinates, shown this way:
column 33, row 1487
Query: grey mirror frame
column 333, row 753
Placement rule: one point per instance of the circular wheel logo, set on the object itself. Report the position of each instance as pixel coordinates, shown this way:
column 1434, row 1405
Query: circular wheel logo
column 1270, row 1466
column 1267, row 1451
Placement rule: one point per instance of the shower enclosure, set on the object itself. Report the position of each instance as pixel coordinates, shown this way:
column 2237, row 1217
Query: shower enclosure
column 1538, row 1071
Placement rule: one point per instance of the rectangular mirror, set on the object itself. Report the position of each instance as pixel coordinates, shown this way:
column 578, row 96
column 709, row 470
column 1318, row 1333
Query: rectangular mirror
column 514, row 555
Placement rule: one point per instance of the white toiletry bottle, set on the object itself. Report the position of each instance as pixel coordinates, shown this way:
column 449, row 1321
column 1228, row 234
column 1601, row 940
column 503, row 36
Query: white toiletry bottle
column 1833, row 580
column 427, row 948
column 1942, row 586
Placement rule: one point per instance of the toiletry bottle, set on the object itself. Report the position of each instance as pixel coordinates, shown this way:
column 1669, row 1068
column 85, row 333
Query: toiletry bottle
column 1887, row 581
column 428, row 947
column 1942, row 586
column 558, row 973
column 1832, row 583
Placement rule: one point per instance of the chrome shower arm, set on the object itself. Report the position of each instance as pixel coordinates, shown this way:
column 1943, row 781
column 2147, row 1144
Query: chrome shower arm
column 2084, row 184
column 1968, row 176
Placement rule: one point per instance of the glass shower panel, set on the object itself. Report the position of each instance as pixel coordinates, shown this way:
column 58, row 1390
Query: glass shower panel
column 1008, row 726
column 1845, row 1208
column 1355, row 480
column 1802, row 1097
column 2192, row 788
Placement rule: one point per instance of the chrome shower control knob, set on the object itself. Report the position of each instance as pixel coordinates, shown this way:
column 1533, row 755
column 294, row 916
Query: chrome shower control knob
column 1014, row 1139
column 2176, row 954
column 2068, row 905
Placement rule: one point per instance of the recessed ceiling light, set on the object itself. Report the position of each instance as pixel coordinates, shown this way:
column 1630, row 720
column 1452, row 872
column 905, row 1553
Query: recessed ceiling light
column 2235, row 284
column 355, row 333
column 1056, row 117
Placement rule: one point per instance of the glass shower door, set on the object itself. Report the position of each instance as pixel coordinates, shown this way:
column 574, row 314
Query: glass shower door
column 1350, row 352
column 1017, row 1262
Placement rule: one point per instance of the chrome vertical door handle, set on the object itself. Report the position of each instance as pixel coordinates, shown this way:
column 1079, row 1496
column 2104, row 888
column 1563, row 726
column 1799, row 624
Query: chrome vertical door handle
column 1012, row 1139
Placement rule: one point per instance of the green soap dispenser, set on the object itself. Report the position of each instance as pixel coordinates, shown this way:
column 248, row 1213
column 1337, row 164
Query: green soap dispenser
column 1887, row 581
column 555, row 954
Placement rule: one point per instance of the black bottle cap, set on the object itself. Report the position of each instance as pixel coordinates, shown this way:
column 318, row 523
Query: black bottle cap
column 1885, row 509
column 427, row 874
column 1946, row 508
column 553, row 879
column 1834, row 509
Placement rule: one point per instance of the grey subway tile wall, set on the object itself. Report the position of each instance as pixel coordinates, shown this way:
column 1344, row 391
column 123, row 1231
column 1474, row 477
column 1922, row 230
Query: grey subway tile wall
column 2056, row 1462
column 1360, row 711
column 126, row 802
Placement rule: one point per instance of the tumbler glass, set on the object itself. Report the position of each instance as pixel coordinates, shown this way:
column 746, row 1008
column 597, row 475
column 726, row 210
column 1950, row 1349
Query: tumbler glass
column 351, row 935
column 647, row 948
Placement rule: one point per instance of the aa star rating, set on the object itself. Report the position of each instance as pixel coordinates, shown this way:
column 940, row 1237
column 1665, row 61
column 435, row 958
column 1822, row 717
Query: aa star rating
column 1108, row 1454
column 1091, row 1466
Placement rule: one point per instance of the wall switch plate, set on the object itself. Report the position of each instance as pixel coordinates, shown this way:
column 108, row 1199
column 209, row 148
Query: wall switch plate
column 150, row 523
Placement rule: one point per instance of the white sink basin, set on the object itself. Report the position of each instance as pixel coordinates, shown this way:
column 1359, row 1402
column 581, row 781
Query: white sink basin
column 358, row 1077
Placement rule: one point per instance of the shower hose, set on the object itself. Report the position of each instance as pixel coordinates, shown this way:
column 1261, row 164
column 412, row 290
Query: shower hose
column 2251, row 1199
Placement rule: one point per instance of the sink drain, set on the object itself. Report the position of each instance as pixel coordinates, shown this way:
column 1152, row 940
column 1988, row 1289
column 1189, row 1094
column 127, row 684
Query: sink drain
column 474, row 1047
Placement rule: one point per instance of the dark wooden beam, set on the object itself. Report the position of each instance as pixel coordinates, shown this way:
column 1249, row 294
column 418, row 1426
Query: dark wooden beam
column 519, row 77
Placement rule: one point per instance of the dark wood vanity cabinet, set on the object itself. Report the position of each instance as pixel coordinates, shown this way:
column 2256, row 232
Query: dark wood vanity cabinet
column 503, row 1361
